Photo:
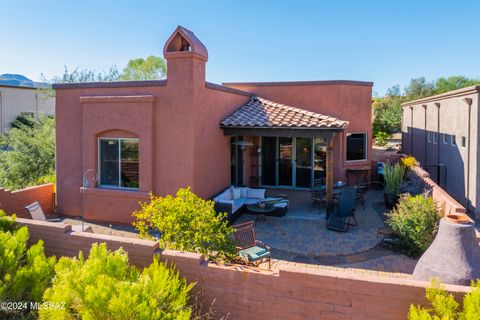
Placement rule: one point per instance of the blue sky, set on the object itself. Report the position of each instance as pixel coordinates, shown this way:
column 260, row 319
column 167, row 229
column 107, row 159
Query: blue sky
column 387, row 42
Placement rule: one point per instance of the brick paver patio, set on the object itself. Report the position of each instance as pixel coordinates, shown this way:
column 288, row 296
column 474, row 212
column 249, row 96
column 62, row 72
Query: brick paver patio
column 303, row 232
column 300, row 237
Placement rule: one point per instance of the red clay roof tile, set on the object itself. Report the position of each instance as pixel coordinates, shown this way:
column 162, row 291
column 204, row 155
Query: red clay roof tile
column 263, row 113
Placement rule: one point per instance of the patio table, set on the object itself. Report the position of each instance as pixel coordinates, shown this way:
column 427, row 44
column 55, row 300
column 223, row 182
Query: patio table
column 261, row 210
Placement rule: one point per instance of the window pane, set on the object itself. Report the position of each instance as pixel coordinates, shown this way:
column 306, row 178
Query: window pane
column 320, row 150
column 130, row 166
column 269, row 146
column 356, row 146
column 109, row 162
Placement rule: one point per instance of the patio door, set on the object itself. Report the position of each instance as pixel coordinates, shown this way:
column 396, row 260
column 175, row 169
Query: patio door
column 303, row 162
column 292, row 162
column 285, row 161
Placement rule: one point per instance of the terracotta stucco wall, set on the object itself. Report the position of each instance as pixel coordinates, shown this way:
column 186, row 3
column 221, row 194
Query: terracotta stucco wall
column 212, row 148
column 292, row 292
column 84, row 115
column 14, row 202
column 350, row 102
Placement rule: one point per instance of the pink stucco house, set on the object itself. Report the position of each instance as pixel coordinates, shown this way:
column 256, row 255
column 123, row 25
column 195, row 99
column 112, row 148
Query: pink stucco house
column 158, row 136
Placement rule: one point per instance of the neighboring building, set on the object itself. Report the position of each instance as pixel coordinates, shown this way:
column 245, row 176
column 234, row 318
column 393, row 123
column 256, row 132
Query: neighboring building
column 442, row 133
column 158, row 136
column 18, row 100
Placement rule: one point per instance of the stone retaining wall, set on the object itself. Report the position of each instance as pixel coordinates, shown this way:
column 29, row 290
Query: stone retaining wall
column 293, row 292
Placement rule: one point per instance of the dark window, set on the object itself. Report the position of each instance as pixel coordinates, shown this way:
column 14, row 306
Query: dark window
column 464, row 141
column 357, row 146
column 454, row 140
column 119, row 165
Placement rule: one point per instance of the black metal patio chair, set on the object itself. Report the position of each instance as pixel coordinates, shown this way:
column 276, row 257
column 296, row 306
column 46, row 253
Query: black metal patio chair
column 341, row 218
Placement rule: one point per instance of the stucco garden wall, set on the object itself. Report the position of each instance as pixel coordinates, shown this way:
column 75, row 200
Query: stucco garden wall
column 445, row 201
column 15, row 201
column 292, row 292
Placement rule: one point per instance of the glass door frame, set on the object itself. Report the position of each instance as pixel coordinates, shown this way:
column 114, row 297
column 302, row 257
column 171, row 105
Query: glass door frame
column 294, row 164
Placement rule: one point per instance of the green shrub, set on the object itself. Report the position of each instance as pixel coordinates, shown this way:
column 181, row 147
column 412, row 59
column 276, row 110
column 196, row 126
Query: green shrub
column 29, row 155
column 24, row 273
column 393, row 176
column 186, row 222
column 381, row 138
column 415, row 221
column 443, row 305
column 105, row 286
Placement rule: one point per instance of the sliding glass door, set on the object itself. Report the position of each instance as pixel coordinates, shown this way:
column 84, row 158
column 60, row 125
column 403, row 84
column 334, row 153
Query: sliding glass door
column 292, row 162
column 285, row 158
column 269, row 161
column 303, row 161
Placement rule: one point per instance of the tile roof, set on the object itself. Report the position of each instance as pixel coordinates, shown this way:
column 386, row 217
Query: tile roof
column 263, row 113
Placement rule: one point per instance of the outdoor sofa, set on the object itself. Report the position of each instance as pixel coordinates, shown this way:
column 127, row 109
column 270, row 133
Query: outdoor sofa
column 233, row 201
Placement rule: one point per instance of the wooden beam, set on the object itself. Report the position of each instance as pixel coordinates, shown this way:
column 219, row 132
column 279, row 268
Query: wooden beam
column 329, row 169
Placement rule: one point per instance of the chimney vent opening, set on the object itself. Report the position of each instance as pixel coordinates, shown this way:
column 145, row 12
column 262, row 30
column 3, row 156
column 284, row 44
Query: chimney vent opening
column 179, row 43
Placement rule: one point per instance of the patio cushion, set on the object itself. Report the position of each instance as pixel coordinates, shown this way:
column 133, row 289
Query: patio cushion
column 225, row 195
column 237, row 204
column 230, row 202
column 254, row 253
column 256, row 193
column 251, row 201
column 236, row 193
column 243, row 192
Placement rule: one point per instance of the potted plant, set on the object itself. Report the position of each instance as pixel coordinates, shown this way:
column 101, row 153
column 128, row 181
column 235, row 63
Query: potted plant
column 393, row 176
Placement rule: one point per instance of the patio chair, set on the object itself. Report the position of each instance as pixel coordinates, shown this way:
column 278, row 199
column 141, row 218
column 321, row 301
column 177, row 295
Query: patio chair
column 342, row 217
column 250, row 250
column 36, row 212
column 318, row 192
column 360, row 192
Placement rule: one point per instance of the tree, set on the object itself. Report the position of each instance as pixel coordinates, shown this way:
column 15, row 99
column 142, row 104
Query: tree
column 28, row 154
column 419, row 88
column 453, row 83
column 151, row 68
column 25, row 272
column 106, row 286
column 188, row 223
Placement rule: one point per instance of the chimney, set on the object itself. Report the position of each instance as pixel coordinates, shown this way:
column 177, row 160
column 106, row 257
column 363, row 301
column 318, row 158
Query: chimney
column 454, row 255
column 186, row 58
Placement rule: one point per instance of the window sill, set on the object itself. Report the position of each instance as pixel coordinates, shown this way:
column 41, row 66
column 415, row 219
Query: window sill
column 116, row 192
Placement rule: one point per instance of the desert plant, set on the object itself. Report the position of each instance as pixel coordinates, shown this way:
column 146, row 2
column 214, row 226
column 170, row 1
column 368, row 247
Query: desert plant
column 25, row 273
column 381, row 138
column 106, row 286
column 443, row 305
column 393, row 176
column 415, row 221
column 408, row 161
column 186, row 222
